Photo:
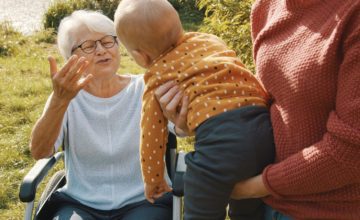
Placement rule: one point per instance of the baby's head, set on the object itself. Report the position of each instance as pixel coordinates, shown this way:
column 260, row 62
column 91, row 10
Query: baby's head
column 147, row 28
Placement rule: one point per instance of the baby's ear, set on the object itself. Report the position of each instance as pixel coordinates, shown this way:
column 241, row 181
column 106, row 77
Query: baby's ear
column 141, row 58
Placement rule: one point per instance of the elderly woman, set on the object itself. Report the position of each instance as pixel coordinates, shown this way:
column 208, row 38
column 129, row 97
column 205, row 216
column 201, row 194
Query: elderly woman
column 95, row 115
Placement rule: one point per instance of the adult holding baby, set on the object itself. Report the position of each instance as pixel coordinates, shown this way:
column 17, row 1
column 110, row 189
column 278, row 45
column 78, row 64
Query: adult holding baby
column 94, row 113
column 227, row 110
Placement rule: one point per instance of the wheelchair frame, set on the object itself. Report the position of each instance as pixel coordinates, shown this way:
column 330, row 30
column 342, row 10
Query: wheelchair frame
column 175, row 163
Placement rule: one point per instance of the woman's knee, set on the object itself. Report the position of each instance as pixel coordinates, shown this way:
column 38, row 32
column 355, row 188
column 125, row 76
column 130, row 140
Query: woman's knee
column 72, row 213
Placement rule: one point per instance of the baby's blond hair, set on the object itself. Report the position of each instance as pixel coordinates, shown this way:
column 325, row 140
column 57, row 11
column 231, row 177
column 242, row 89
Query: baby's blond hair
column 152, row 26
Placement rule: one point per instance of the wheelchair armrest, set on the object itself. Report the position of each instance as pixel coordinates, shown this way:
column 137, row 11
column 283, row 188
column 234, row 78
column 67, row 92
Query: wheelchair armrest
column 178, row 182
column 35, row 176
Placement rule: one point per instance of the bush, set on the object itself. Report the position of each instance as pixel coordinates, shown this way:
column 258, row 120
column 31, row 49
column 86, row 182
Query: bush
column 10, row 40
column 62, row 8
column 230, row 20
column 190, row 15
column 45, row 36
column 183, row 4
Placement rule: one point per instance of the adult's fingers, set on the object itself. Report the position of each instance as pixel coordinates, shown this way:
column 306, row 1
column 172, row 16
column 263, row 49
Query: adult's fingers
column 181, row 122
column 171, row 106
column 79, row 72
column 166, row 98
column 53, row 67
column 83, row 82
column 184, row 108
column 65, row 69
column 74, row 69
column 164, row 89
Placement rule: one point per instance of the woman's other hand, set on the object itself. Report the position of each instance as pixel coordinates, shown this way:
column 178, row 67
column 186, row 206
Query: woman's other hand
column 169, row 96
column 251, row 188
column 69, row 81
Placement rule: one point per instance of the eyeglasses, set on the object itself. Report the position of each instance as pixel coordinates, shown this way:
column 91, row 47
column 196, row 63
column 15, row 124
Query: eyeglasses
column 89, row 46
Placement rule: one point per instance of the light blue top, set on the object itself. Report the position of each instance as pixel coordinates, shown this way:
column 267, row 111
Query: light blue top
column 102, row 158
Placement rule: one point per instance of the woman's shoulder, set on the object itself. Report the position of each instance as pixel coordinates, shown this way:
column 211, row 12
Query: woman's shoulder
column 137, row 80
column 136, row 85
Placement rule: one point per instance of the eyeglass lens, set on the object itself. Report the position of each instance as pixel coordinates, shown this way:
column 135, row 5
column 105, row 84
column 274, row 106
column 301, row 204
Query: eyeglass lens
column 90, row 45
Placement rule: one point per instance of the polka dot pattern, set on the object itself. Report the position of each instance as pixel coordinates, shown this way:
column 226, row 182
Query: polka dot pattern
column 213, row 78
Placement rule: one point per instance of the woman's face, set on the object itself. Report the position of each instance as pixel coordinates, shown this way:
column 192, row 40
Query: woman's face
column 104, row 60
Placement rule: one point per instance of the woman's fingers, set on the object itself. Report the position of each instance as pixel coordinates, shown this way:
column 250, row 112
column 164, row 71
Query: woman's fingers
column 74, row 69
column 53, row 66
column 172, row 105
column 84, row 81
column 69, row 81
column 183, row 112
column 79, row 72
column 164, row 89
column 167, row 98
column 66, row 68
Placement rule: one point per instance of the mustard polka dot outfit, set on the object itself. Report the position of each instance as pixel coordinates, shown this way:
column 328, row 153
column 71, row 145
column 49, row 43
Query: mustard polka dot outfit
column 211, row 76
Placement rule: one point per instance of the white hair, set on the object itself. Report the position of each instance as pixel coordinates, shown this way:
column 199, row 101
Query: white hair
column 92, row 20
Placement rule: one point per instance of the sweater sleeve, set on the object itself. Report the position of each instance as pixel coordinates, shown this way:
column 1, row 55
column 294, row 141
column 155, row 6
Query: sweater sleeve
column 153, row 140
column 334, row 161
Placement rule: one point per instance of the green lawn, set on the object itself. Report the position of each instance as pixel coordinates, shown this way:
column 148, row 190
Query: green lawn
column 24, row 88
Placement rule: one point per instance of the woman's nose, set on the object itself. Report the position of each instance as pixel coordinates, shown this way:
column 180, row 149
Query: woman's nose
column 99, row 48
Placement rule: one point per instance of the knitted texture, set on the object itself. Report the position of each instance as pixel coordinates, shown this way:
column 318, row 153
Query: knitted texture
column 307, row 54
column 211, row 76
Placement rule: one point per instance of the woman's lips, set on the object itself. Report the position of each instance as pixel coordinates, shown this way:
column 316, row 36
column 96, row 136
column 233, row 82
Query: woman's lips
column 103, row 61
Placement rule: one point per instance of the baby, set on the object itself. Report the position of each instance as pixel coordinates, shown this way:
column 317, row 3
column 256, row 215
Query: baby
column 227, row 110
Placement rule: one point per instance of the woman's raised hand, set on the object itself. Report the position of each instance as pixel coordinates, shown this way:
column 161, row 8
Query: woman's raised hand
column 69, row 81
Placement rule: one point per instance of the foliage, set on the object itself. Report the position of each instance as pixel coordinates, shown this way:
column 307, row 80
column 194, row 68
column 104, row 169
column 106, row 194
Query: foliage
column 56, row 12
column 45, row 36
column 10, row 40
column 183, row 4
column 62, row 8
column 191, row 17
column 230, row 20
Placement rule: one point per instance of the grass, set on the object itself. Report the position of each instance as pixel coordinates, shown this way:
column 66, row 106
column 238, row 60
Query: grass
column 24, row 88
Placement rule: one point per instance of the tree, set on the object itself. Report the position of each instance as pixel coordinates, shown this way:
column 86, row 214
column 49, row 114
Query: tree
column 230, row 20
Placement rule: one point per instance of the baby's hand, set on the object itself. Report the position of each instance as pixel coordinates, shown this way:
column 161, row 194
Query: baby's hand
column 155, row 191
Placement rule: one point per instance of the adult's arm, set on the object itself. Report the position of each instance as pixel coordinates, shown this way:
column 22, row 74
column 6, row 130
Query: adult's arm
column 66, row 84
column 333, row 162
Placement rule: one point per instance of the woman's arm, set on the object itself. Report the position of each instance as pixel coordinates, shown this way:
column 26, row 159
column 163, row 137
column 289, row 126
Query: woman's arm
column 170, row 97
column 253, row 187
column 66, row 84
column 47, row 128
column 331, row 163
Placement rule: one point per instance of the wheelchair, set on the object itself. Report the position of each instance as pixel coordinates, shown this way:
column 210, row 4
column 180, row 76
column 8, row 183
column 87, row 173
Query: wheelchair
column 175, row 164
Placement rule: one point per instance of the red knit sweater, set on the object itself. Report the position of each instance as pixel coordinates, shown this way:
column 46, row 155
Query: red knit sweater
column 307, row 55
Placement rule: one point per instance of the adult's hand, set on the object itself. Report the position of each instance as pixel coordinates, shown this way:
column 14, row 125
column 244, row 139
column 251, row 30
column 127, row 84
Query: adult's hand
column 174, row 106
column 251, row 188
column 69, row 81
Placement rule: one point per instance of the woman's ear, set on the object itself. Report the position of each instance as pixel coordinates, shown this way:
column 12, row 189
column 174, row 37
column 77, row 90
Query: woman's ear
column 141, row 58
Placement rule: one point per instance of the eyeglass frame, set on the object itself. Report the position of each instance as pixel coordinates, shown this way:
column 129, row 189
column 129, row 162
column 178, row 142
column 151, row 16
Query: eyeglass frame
column 95, row 43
